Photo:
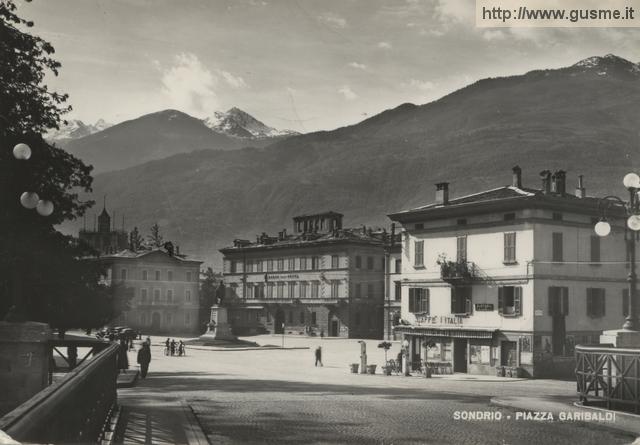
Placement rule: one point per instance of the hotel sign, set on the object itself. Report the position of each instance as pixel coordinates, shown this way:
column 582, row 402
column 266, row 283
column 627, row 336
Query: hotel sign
column 449, row 320
column 286, row 276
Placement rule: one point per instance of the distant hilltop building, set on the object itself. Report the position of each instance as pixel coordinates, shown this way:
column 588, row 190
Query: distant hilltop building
column 106, row 239
column 322, row 279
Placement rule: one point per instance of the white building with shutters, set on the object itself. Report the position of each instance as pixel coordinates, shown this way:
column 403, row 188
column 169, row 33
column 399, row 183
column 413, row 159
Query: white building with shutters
column 512, row 276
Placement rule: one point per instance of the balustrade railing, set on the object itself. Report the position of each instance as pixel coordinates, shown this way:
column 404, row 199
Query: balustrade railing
column 609, row 376
column 71, row 410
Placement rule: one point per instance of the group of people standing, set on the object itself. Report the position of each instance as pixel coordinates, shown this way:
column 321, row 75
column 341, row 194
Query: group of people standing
column 173, row 348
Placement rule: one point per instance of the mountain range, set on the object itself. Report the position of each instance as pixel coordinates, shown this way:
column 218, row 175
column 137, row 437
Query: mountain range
column 75, row 129
column 583, row 118
column 166, row 133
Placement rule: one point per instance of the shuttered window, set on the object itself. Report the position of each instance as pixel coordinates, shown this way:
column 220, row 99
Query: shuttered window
column 557, row 254
column 418, row 253
column 510, row 301
column 558, row 300
column 461, row 300
column 595, row 249
column 461, row 248
column 595, row 302
column 418, row 300
column 510, row 247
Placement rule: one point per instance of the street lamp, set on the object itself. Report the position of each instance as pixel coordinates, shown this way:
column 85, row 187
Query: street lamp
column 31, row 200
column 602, row 228
column 405, row 356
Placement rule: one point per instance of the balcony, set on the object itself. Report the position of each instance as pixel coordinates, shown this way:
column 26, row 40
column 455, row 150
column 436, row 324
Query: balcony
column 458, row 271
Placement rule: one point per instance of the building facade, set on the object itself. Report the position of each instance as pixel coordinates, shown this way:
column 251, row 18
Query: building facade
column 393, row 286
column 106, row 239
column 320, row 280
column 165, row 289
column 512, row 277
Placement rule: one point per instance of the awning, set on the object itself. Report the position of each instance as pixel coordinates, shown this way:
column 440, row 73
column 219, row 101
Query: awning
column 445, row 332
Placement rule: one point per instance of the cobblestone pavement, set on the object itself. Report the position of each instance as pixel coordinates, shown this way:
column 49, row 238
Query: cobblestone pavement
column 278, row 396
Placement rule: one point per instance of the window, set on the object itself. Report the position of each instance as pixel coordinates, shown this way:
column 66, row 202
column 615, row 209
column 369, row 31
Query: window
column 156, row 295
column 625, row 302
column 143, row 295
column 557, row 247
column 358, row 290
column 556, row 216
column 187, row 295
column 398, row 266
column 595, row 302
column 418, row 300
column 370, row 262
column 510, row 301
column 169, row 275
column 509, row 216
column 168, row 318
column 250, row 291
column 510, row 247
column 280, row 264
column 248, row 266
column 419, row 226
column 187, row 318
column 558, row 300
column 233, row 266
column 461, row 300
column 315, row 263
column 145, row 275
column 303, row 289
column 358, row 262
column 123, row 274
column 269, row 290
column 259, row 266
column 398, row 289
column 170, row 295
column 188, row 278
column 303, row 263
column 335, row 261
column 313, row 318
column 335, row 289
column 461, row 222
column 461, row 248
column 292, row 264
column 315, row 289
column 418, row 250
column 269, row 265
column 280, row 290
column 595, row 249
column 369, row 290
column 292, row 290
column 259, row 291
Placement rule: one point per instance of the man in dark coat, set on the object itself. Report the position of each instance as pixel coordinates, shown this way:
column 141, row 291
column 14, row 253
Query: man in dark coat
column 144, row 357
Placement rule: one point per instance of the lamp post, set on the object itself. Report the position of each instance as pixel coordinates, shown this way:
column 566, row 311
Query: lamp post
column 631, row 210
column 405, row 357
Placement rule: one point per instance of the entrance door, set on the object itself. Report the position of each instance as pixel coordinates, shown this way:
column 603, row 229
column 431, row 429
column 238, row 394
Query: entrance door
column 278, row 327
column 460, row 355
column 155, row 321
column 508, row 353
column 333, row 328
column 559, row 334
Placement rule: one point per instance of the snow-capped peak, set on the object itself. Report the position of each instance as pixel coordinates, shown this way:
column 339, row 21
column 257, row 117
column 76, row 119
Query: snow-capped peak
column 606, row 64
column 75, row 129
column 238, row 123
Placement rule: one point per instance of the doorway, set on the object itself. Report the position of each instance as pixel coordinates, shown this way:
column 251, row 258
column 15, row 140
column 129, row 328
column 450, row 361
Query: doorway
column 508, row 353
column 558, row 335
column 155, row 321
column 333, row 328
column 278, row 326
column 460, row 355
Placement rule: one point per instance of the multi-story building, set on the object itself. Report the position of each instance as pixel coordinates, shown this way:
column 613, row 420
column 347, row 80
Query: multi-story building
column 392, row 285
column 321, row 280
column 512, row 276
column 165, row 288
column 106, row 239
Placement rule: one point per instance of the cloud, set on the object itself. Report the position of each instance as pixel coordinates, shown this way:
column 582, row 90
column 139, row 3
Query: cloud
column 358, row 66
column 333, row 20
column 190, row 86
column 384, row 45
column 347, row 92
column 493, row 34
column 236, row 82
column 455, row 11
column 422, row 85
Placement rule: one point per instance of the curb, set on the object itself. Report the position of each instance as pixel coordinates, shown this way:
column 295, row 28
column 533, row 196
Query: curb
column 194, row 432
column 128, row 382
column 262, row 348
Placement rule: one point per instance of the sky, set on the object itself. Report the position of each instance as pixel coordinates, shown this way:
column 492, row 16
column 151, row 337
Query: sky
column 303, row 65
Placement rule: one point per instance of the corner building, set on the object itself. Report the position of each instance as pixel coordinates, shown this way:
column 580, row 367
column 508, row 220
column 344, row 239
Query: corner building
column 513, row 276
column 321, row 280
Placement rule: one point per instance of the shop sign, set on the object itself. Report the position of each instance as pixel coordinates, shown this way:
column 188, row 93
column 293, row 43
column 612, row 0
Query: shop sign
column 286, row 276
column 484, row 307
column 438, row 319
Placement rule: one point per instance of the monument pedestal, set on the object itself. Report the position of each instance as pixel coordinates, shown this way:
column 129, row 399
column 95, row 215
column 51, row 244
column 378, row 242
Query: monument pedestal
column 219, row 328
column 24, row 362
column 621, row 338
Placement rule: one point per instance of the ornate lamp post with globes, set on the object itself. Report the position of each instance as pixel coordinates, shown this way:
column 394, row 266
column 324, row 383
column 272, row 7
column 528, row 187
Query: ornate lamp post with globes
column 631, row 211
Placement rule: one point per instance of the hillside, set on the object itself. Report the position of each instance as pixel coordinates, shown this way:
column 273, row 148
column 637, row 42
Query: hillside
column 583, row 118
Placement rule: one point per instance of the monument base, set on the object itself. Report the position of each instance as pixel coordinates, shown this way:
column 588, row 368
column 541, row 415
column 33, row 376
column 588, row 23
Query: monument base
column 219, row 328
column 621, row 338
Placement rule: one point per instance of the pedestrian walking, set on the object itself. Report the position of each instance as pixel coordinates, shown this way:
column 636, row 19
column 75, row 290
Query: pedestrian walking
column 181, row 349
column 167, row 347
column 173, row 347
column 319, row 355
column 123, row 361
column 144, row 357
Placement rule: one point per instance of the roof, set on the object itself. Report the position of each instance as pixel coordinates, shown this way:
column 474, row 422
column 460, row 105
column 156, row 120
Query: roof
column 130, row 254
column 502, row 198
column 327, row 213
column 360, row 236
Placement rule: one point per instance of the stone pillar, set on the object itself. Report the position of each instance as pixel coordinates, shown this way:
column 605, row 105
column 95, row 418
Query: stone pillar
column 621, row 338
column 24, row 362
column 219, row 325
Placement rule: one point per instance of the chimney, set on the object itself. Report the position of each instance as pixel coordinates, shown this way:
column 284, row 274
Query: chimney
column 581, row 192
column 558, row 184
column 546, row 181
column 442, row 193
column 517, row 177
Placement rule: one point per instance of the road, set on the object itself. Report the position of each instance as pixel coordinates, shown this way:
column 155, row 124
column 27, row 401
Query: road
column 279, row 396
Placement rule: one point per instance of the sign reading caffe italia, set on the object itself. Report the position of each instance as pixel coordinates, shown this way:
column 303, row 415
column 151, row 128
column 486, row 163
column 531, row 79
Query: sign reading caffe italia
column 450, row 320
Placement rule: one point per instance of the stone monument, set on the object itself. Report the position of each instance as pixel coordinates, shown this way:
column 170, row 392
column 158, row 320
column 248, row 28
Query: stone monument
column 218, row 327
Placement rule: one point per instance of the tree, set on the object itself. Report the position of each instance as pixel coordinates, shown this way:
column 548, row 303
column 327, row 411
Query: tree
column 135, row 240
column 43, row 273
column 155, row 237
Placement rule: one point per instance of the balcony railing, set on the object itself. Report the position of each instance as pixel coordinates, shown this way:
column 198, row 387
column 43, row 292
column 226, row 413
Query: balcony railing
column 458, row 271
column 72, row 410
column 609, row 376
